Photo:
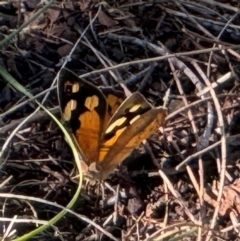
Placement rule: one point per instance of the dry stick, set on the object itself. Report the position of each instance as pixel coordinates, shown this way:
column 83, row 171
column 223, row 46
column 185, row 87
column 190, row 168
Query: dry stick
column 223, row 51
column 91, row 26
column 222, row 177
column 101, row 58
column 210, row 21
column 190, row 118
column 148, row 60
column 192, row 177
column 230, row 51
column 15, row 108
column 195, row 103
column 138, row 233
column 227, row 6
column 234, row 53
column 199, row 26
column 116, row 205
column 200, row 8
column 196, row 154
column 132, row 80
column 177, row 225
column 146, row 78
column 203, row 142
column 230, row 228
column 198, row 84
column 219, row 81
column 38, row 116
column 223, row 151
column 144, row 43
column 189, row 73
column 199, row 36
column 135, row 224
column 9, row 228
column 178, row 197
column 166, row 200
column 198, row 102
column 7, row 181
column 166, row 196
column 230, row 66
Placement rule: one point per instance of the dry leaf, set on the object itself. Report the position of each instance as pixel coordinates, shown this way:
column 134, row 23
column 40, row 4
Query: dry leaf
column 105, row 20
column 53, row 14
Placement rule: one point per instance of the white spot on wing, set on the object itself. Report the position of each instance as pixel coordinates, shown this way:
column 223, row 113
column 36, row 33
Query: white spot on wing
column 135, row 108
column 71, row 105
column 134, row 119
column 116, row 123
column 75, row 87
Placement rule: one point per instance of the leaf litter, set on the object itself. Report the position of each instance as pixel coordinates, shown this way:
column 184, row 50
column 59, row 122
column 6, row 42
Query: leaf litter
column 182, row 184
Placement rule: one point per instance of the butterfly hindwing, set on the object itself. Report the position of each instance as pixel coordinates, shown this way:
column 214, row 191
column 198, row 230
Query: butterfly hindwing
column 114, row 100
column 130, row 108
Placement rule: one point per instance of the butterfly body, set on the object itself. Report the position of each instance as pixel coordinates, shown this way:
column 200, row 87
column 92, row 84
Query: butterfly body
column 105, row 128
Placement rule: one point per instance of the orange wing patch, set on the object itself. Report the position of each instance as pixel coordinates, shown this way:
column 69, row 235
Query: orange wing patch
column 106, row 146
column 87, row 135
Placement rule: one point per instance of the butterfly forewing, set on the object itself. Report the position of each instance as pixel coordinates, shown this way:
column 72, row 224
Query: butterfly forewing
column 130, row 109
column 134, row 121
column 84, row 108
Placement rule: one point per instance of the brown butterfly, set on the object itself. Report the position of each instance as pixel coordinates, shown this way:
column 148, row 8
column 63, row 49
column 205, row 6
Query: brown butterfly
column 105, row 128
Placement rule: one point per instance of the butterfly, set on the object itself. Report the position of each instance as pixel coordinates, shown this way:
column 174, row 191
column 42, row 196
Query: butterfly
column 105, row 127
